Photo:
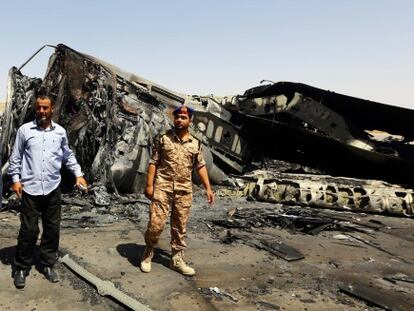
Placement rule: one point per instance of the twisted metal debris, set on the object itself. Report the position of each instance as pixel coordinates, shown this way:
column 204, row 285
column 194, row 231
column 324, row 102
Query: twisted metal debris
column 370, row 196
column 112, row 116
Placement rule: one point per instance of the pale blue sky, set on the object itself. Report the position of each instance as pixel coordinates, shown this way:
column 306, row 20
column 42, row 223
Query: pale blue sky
column 359, row 48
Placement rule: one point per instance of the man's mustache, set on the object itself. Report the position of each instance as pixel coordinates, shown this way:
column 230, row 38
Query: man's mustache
column 42, row 119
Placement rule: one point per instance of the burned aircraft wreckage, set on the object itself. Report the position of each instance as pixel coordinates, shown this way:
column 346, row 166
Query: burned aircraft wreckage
column 112, row 117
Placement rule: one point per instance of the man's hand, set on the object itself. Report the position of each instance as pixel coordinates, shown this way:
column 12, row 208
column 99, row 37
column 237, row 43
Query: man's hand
column 81, row 184
column 149, row 191
column 202, row 172
column 210, row 196
column 17, row 188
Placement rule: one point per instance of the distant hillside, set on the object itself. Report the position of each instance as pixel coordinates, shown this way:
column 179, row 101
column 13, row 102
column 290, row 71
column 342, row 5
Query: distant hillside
column 2, row 104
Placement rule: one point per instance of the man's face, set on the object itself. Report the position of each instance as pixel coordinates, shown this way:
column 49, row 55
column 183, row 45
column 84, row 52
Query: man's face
column 181, row 121
column 43, row 111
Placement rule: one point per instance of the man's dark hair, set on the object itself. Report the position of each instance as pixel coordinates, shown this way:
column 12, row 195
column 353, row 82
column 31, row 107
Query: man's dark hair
column 43, row 97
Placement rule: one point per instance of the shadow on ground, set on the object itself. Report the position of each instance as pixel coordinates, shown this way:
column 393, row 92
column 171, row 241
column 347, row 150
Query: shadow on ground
column 7, row 258
column 7, row 255
column 133, row 253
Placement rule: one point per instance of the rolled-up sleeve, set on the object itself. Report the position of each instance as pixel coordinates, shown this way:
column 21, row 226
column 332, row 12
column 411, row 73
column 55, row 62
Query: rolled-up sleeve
column 156, row 151
column 69, row 158
column 200, row 162
column 15, row 161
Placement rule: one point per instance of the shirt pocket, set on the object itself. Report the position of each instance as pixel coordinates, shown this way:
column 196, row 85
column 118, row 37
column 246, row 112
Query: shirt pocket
column 168, row 150
column 191, row 152
column 34, row 143
column 54, row 145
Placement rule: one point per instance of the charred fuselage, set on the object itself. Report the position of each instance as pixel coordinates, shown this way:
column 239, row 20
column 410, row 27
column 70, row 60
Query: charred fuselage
column 112, row 116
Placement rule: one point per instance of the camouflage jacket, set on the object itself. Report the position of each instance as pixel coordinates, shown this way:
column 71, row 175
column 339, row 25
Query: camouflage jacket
column 175, row 159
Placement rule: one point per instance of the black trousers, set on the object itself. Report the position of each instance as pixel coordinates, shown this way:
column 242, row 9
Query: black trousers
column 48, row 208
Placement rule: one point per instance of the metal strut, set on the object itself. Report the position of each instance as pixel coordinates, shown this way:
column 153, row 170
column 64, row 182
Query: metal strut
column 105, row 288
column 37, row 52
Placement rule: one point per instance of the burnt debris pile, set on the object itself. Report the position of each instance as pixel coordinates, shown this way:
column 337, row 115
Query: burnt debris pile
column 248, row 226
column 112, row 116
column 303, row 220
column 110, row 121
column 100, row 208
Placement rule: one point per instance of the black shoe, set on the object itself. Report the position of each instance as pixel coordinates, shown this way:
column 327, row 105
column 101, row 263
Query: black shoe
column 20, row 278
column 50, row 274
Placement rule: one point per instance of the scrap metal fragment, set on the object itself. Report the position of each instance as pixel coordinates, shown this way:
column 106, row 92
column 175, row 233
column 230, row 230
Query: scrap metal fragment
column 101, row 196
column 218, row 293
column 267, row 305
column 105, row 288
column 230, row 223
column 284, row 218
column 282, row 250
column 355, row 227
column 77, row 202
column 378, row 247
column 377, row 297
column 269, row 243
column 317, row 229
column 393, row 278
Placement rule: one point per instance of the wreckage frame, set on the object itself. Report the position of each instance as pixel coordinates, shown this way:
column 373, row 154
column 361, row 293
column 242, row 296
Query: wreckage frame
column 112, row 117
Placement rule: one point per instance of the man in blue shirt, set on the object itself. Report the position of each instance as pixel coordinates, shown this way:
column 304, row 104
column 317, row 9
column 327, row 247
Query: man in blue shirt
column 40, row 148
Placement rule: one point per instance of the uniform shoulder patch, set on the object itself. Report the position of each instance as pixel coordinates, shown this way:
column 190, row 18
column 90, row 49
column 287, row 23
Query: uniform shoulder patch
column 162, row 134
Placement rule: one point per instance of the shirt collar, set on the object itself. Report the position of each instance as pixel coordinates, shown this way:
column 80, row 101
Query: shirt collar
column 188, row 139
column 36, row 126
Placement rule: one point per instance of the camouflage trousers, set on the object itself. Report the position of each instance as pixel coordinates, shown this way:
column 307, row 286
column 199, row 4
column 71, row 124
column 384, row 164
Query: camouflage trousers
column 179, row 203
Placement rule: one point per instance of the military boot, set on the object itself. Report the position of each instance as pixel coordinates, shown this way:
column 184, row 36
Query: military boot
column 178, row 264
column 146, row 259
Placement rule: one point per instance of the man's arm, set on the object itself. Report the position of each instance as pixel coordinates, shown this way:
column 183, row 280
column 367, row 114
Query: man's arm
column 203, row 174
column 152, row 167
column 15, row 163
column 149, row 190
column 71, row 163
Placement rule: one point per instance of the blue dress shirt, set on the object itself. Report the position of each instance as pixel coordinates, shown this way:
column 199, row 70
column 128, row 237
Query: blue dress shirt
column 37, row 158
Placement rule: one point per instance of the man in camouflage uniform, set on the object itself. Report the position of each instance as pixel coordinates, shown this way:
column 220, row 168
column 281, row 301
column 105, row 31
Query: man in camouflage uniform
column 169, row 186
